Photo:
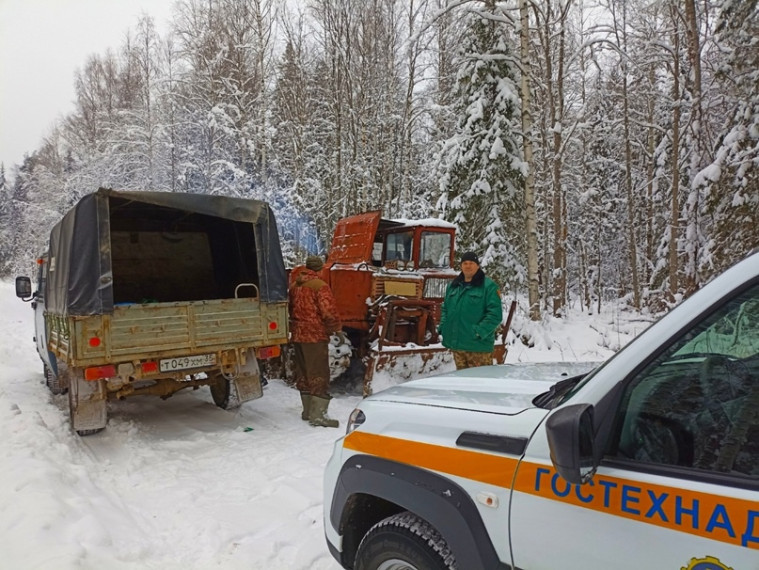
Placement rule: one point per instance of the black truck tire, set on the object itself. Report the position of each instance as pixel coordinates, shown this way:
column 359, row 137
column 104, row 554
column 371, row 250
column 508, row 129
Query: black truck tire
column 53, row 382
column 404, row 542
column 224, row 393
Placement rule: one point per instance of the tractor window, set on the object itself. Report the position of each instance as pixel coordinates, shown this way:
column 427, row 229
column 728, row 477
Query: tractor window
column 377, row 254
column 435, row 250
column 399, row 246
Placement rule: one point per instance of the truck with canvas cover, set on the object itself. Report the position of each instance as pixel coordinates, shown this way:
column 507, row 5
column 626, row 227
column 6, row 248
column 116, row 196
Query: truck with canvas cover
column 153, row 292
column 389, row 278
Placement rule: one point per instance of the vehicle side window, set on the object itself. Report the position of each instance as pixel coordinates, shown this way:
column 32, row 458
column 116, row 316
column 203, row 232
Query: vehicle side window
column 377, row 254
column 399, row 246
column 435, row 250
column 41, row 274
column 697, row 405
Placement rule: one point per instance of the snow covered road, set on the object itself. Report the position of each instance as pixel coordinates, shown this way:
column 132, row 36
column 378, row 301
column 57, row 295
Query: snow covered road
column 169, row 484
column 182, row 484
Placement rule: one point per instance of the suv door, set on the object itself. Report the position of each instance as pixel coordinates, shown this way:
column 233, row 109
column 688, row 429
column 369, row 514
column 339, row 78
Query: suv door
column 679, row 484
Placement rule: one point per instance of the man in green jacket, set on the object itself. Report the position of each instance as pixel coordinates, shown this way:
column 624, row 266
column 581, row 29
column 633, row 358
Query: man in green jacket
column 470, row 315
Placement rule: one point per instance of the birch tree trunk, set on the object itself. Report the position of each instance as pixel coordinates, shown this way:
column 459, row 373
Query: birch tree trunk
column 533, row 293
column 554, row 85
column 632, row 247
column 675, row 158
column 698, row 152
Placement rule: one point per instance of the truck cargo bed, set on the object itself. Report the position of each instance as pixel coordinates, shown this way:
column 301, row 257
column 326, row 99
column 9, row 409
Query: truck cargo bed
column 170, row 329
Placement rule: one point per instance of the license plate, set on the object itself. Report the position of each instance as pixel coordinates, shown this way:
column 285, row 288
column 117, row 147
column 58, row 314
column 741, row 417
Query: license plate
column 185, row 362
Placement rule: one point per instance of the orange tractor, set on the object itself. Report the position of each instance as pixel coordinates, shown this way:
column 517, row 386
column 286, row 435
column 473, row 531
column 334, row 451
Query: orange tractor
column 389, row 279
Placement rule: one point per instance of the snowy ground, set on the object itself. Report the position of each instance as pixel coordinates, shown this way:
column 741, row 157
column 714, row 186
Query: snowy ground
column 181, row 483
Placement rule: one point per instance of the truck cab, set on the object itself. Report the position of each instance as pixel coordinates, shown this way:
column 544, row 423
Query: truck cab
column 37, row 298
column 650, row 460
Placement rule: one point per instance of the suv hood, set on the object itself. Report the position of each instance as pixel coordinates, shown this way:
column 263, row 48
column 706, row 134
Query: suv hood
column 504, row 389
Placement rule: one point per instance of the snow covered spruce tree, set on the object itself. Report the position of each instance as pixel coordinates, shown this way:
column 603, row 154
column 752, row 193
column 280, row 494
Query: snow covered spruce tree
column 481, row 186
column 6, row 230
column 732, row 179
column 302, row 204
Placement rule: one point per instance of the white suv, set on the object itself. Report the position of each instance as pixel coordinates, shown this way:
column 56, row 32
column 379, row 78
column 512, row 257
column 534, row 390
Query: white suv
column 649, row 461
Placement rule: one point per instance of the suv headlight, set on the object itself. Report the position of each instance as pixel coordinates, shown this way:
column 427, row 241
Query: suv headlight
column 356, row 418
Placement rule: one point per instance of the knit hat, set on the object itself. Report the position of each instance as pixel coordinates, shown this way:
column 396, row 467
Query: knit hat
column 314, row 262
column 470, row 256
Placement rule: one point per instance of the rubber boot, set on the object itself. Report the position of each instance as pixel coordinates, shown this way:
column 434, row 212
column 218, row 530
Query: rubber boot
column 318, row 413
column 305, row 398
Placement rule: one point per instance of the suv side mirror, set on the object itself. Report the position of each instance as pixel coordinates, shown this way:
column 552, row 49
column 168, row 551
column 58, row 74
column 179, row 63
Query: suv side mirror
column 24, row 288
column 570, row 439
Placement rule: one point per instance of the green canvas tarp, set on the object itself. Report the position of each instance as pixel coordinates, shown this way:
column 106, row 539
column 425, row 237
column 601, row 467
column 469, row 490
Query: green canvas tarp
column 80, row 274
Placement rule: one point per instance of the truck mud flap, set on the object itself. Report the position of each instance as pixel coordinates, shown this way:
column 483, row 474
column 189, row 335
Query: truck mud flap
column 87, row 404
column 394, row 365
column 238, row 384
column 248, row 388
column 230, row 393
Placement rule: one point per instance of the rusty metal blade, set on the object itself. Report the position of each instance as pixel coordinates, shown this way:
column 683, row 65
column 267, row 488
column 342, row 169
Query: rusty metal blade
column 393, row 366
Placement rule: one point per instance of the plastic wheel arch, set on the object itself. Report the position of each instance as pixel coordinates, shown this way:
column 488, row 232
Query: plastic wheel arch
column 370, row 489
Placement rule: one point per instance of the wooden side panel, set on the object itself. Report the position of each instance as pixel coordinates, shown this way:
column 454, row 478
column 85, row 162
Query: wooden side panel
column 161, row 330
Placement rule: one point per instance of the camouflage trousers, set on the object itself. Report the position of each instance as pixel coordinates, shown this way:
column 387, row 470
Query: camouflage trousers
column 466, row 359
column 312, row 368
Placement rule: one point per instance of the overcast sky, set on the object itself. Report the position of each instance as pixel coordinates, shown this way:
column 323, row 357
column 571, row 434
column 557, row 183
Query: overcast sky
column 42, row 43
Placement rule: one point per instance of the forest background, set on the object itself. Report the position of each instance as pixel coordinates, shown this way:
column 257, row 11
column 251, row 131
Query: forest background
column 591, row 151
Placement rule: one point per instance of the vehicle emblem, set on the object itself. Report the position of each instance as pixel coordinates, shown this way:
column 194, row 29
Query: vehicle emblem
column 706, row 563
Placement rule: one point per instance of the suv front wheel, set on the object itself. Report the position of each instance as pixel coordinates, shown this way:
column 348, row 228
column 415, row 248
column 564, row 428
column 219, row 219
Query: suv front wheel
column 404, row 542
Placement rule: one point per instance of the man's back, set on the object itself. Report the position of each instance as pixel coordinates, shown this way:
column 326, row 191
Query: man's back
column 313, row 311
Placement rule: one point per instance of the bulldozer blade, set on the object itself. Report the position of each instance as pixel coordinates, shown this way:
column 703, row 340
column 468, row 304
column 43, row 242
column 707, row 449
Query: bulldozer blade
column 390, row 364
column 395, row 365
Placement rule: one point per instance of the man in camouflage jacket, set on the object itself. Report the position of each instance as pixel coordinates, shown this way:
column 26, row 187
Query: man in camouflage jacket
column 313, row 317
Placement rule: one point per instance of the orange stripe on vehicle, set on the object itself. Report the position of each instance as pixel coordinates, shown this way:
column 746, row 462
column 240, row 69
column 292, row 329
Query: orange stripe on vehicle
column 483, row 467
column 711, row 516
column 715, row 517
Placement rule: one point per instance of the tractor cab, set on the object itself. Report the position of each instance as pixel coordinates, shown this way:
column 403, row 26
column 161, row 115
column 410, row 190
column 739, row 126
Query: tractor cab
column 413, row 244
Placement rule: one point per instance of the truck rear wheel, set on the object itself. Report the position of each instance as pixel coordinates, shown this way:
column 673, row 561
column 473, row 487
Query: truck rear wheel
column 224, row 393
column 404, row 542
column 53, row 382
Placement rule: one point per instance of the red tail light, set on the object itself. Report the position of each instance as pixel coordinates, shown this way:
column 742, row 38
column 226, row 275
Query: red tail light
column 268, row 352
column 273, row 326
column 149, row 367
column 94, row 342
column 98, row 372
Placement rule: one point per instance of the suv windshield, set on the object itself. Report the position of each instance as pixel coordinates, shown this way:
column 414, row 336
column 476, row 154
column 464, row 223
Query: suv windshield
column 732, row 332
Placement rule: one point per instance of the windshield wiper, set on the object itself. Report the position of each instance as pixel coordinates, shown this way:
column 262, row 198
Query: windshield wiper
column 556, row 392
